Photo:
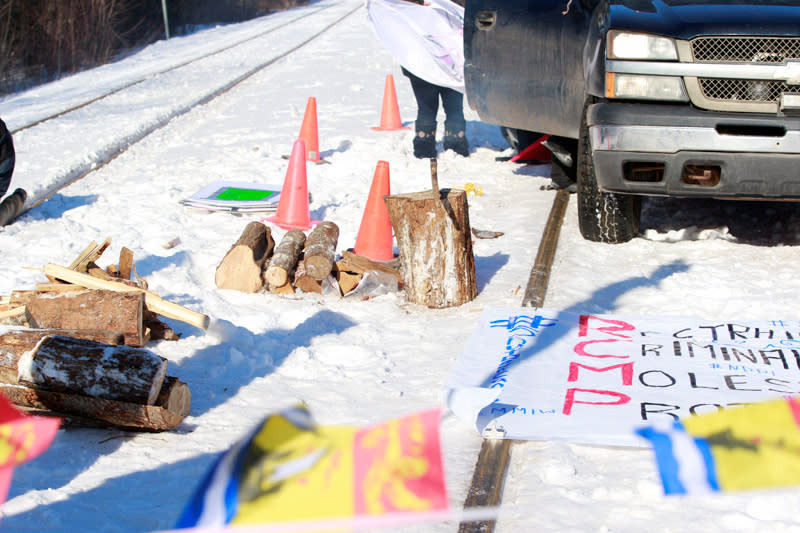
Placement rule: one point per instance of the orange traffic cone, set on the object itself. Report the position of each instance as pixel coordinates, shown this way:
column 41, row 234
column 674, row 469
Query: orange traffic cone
column 308, row 131
column 292, row 210
column 390, row 113
column 375, row 234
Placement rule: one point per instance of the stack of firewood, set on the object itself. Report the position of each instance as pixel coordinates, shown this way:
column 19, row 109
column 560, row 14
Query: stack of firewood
column 80, row 355
column 299, row 262
column 83, row 296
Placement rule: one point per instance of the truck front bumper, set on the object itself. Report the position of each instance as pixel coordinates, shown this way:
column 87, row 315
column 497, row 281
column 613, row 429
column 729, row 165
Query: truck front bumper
column 675, row 150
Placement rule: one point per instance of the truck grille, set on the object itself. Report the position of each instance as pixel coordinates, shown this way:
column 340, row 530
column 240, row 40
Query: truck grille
column 745, row 90
column 745, row 49
column 742, row 95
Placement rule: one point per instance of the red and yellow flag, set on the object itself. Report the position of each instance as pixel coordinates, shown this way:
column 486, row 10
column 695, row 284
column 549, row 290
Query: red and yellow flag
column 290, row 469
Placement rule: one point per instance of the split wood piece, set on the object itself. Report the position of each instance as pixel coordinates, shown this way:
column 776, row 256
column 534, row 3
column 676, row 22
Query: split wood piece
column 57, row 287
column 125, row 263
column 140, row 281
column 347, row 281
column 171, row 407
column 112, row 270
column 153, row 302
column 93, row 270
column 158, row 329
column 242, row 267
column 285, row 258
column 304, row 282
column 320, row 250
column 83, row 255
column 433, row 236
column 90, row 309
column 12, row 312
column 285, row 289
column 90, row 254
column 359, row 264
column 78, row 366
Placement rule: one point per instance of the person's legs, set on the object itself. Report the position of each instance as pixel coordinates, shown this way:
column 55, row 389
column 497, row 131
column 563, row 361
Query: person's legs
column 455, row 136
column 427, row 96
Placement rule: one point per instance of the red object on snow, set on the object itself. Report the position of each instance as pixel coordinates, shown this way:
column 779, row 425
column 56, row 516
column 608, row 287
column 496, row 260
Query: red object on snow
column 534, row 152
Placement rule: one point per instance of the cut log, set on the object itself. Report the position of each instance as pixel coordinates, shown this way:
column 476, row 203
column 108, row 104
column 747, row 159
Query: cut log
column 285, row 258
column 433, row 236
column 153, row 302
column 174, row 396
column 14, row 343
column 242, row 267
column 359, row 264
column 77, row 366
column 90, row 309
column 170, row 409
column 320, row 250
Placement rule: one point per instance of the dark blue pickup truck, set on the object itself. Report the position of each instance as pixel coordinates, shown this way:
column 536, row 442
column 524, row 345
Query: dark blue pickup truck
column 645, row 97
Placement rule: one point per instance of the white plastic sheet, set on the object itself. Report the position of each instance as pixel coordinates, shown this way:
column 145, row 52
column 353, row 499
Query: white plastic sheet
column 425, row 39
column 544, row 374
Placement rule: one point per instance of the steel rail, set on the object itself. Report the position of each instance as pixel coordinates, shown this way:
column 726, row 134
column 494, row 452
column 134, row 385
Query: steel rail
column 488, row 477
column 126, row 143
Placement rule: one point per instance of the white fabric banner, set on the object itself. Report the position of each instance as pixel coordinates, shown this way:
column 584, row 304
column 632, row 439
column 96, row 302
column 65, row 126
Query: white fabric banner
column 426, row 39
column 543, row 374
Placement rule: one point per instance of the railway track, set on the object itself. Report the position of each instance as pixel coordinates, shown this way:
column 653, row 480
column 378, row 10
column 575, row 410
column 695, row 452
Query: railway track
column 204, row 66
column 151, row 75
column 486, row 488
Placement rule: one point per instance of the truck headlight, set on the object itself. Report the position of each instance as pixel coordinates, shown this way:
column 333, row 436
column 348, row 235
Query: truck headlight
column 640, row 87
column 628, row 45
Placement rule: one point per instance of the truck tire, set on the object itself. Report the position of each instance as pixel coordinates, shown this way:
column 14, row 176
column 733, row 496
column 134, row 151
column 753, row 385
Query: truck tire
column 603, row 217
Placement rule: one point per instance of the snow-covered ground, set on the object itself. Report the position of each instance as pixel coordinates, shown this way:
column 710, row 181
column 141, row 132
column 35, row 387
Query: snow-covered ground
column 352, row 362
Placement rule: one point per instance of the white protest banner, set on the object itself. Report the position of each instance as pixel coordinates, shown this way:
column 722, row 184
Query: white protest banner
column 425, row 39
column 544, row 374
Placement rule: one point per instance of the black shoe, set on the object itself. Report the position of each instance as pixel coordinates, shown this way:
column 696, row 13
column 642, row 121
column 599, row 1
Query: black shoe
column 425, row 143
column 457, row 142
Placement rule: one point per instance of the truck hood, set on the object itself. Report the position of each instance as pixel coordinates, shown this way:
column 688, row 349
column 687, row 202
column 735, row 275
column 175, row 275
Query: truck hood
column 685, row 19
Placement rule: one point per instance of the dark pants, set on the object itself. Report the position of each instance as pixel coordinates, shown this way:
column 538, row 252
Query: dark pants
column 427, row 95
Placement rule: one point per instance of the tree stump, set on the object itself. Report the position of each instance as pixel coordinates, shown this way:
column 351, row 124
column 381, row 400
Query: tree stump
column 434, row 238
column 241, row 268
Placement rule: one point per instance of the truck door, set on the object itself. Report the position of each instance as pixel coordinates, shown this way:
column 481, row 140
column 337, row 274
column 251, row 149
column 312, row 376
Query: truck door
column 524, row 63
